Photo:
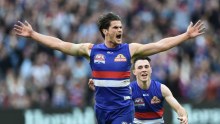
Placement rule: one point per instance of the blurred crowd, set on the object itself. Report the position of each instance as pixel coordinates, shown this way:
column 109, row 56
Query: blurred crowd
column 32, row 75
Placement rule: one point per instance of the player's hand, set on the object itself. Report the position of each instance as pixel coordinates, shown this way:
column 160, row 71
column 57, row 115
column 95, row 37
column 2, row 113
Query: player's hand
column 91, row 84
column 23, row 29
column 183, row 120
column 195, row 30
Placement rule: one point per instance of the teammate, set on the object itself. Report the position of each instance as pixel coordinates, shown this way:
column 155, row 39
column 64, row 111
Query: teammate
column 110, row 62
column 148, row 96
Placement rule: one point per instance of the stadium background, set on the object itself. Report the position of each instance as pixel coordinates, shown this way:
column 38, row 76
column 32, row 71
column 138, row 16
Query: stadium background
column 43, row 86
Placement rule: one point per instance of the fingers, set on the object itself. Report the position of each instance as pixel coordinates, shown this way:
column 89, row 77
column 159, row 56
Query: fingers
column 198, row 23
column 20, row 23
column 17, row 29
column 92, row 87
column 201, row 28
column 26, row 23
column 182, row 120
column 198, row 28
column 91, row 84
column 179, row 118
column 89, row 81
column 201, row 31
column 191, row 24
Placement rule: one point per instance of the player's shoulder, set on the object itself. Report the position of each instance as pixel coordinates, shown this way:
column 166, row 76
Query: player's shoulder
column 90, row 45
column 133, row 83
column 163, row 86
column 156, row 82
column 97, row 46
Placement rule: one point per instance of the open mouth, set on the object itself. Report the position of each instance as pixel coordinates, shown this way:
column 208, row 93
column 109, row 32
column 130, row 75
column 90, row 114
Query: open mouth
column 144, row 75
column 118, row 36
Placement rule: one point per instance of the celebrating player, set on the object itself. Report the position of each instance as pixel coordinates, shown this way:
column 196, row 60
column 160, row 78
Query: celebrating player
column 110, row 62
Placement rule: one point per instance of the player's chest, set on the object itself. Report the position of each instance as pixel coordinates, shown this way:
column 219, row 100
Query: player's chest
column 111, row 59
column 143, row 99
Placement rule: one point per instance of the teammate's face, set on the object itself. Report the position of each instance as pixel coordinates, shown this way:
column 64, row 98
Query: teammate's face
column 114, row 32
column 142, row 70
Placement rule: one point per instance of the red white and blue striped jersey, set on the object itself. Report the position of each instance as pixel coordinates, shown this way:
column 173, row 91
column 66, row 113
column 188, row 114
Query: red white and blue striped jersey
column 148, row 103
column 111, row 75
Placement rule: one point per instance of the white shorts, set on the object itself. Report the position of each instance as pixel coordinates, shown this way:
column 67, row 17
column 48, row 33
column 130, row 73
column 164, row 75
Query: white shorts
column 155, row 121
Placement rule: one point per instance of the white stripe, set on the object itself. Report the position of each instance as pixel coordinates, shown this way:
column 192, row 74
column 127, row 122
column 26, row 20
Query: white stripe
column 111, row 83
column 154, row 121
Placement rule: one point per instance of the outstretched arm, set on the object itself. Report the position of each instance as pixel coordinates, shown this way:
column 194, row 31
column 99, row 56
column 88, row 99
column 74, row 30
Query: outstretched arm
column 174, row 104
column 137, row 49
column 25, row 30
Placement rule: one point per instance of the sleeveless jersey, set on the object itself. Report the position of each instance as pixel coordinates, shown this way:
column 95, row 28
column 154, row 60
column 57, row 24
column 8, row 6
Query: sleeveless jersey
column 111, row 76
column 148, row 103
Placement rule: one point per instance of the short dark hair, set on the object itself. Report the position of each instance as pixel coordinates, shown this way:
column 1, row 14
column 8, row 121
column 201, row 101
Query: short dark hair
column 140, row 58
column 105, row 20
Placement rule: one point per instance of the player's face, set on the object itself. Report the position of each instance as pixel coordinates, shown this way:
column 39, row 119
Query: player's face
column 114, row 32
column 142, row 70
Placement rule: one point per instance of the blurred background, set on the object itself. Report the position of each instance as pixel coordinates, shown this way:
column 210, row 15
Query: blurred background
column 38, row 83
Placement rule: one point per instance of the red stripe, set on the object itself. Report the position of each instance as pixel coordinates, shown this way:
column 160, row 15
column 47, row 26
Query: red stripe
column 149, row 115
column 110, row 74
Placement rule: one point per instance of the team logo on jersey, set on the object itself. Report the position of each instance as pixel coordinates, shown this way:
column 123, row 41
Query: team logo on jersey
column 139, row 102
column 109, row 52
column 155, row 100
column 120, row 58
column 145, row 94
column 99, row 58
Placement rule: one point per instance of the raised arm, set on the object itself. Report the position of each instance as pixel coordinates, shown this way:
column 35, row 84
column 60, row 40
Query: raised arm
column 137, row 49
column 182, row 114
column 25, row 30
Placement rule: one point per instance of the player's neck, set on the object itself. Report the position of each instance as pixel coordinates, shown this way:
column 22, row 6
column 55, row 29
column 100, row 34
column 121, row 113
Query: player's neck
column 110, row 44
column 144, row 84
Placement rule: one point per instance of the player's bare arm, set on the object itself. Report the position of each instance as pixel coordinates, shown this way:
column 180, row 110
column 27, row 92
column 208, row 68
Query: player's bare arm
column 137, row 49
column 25, row 30
column 182, row 114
